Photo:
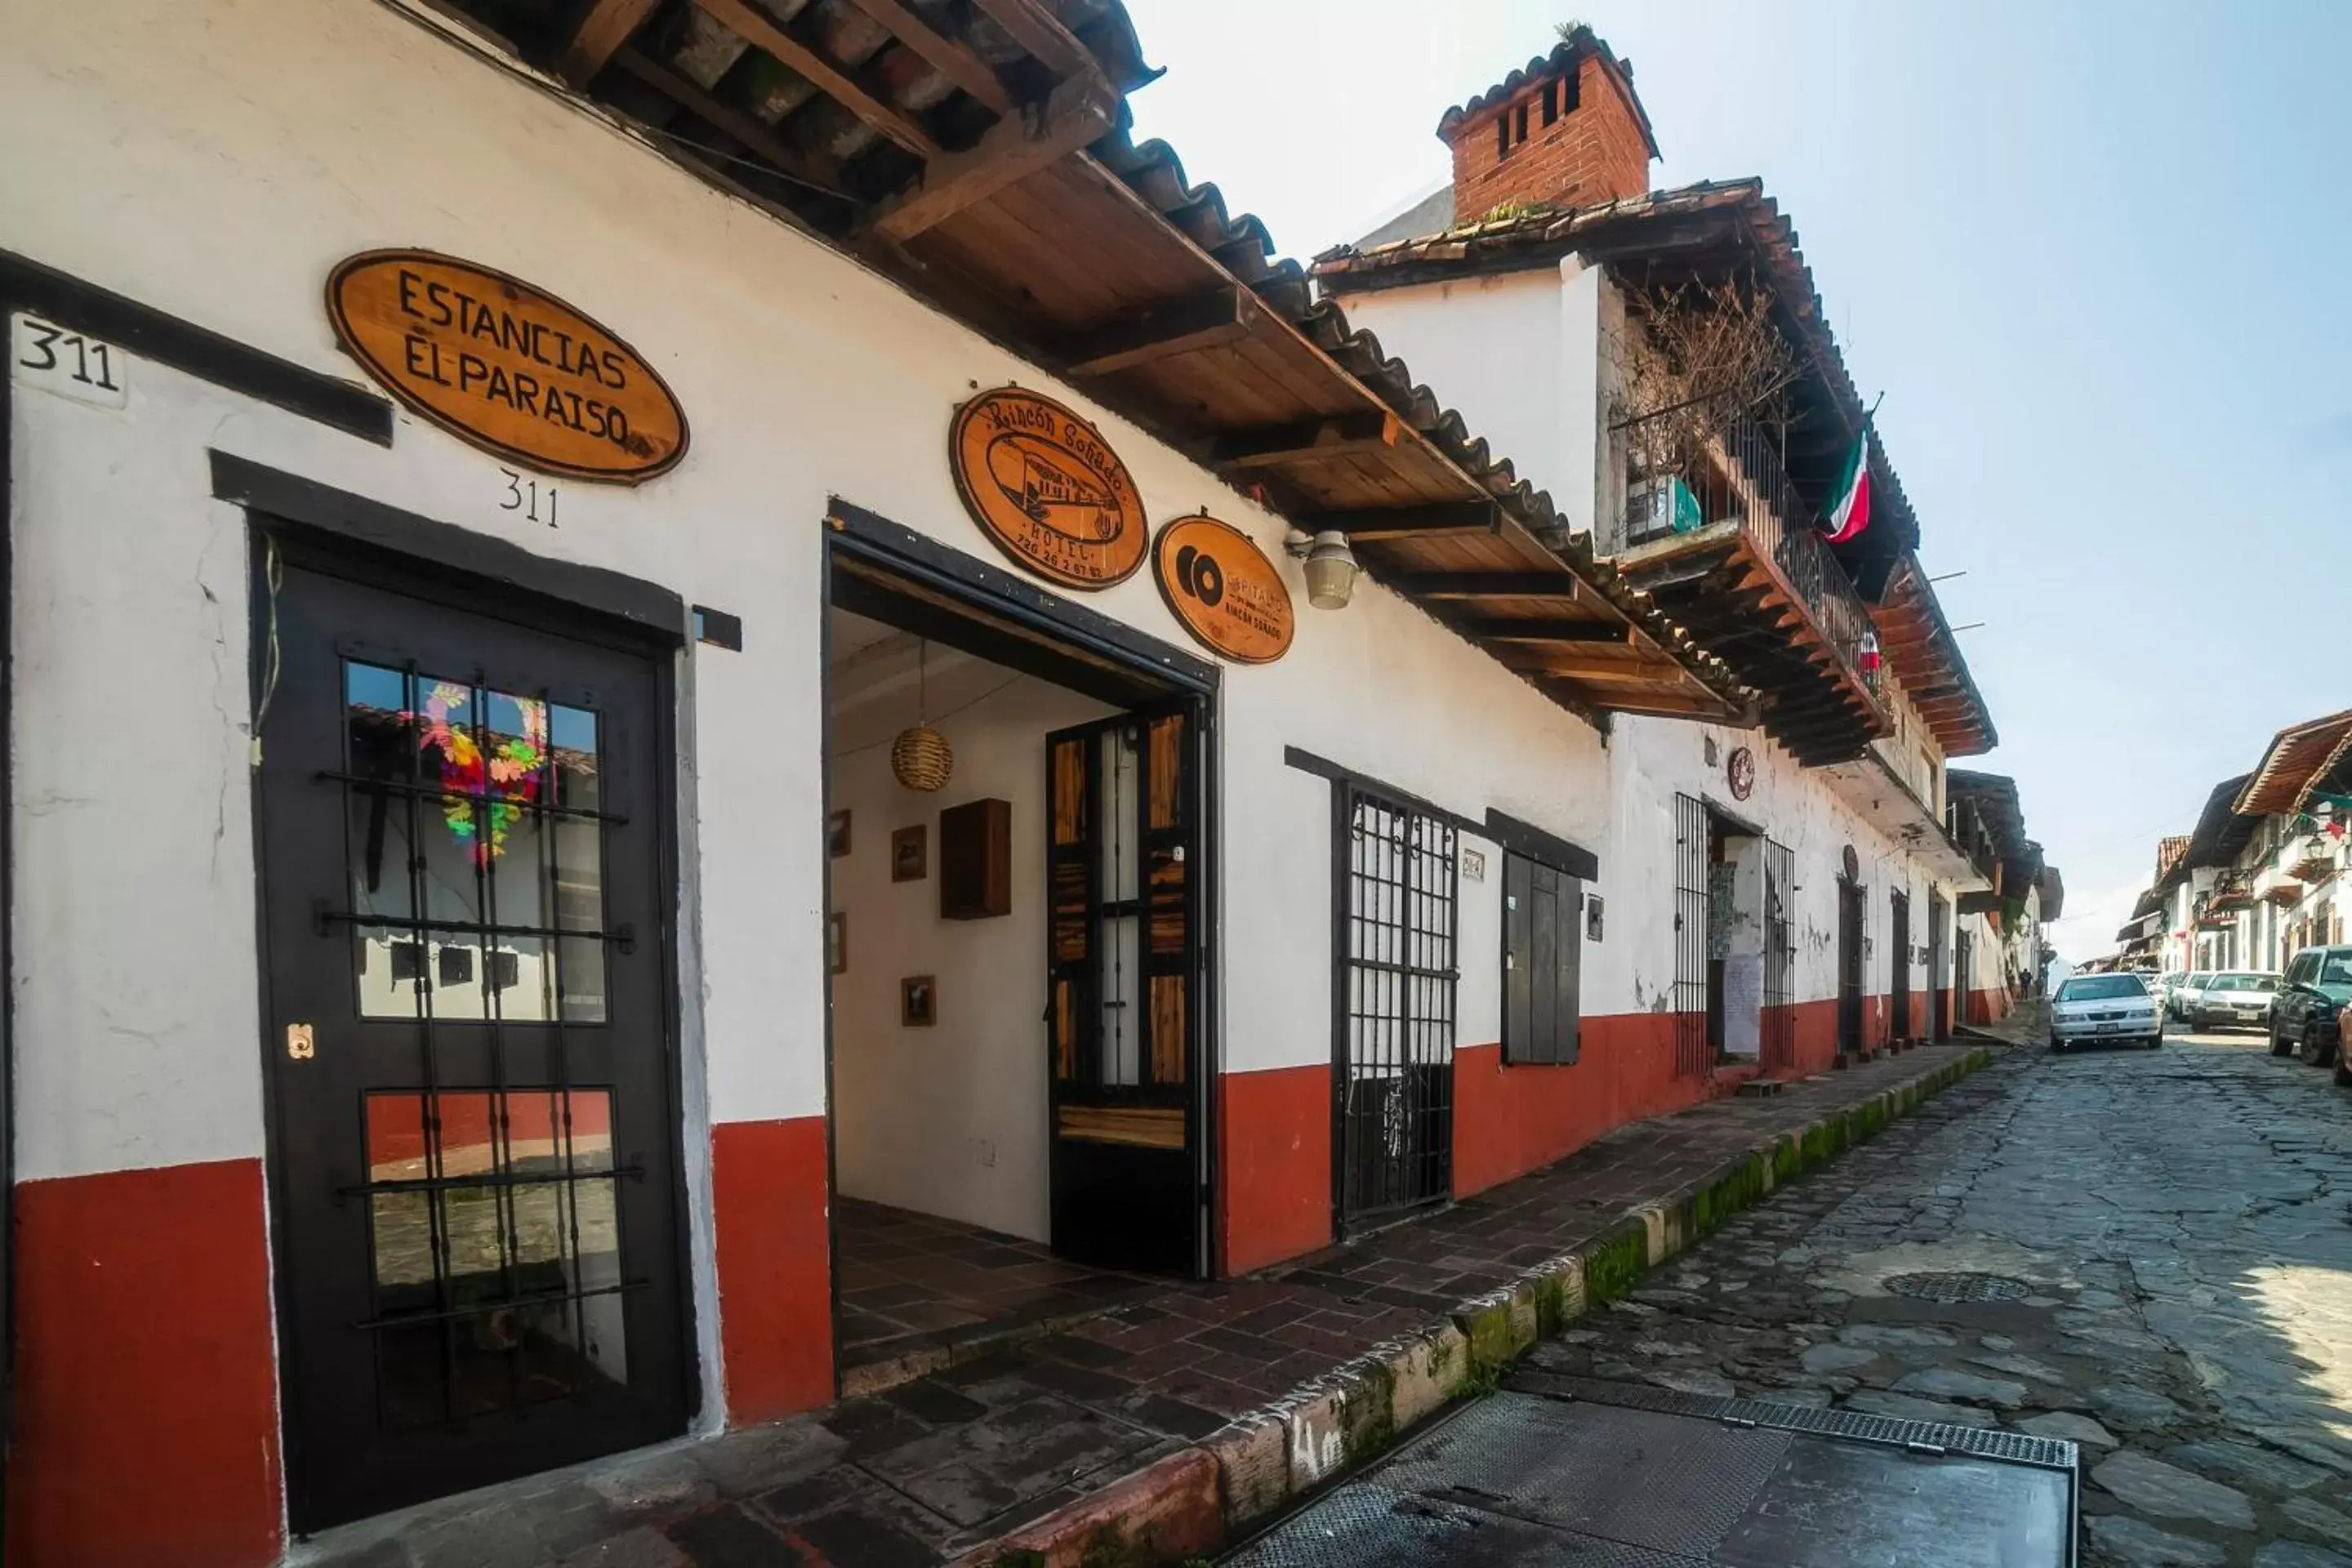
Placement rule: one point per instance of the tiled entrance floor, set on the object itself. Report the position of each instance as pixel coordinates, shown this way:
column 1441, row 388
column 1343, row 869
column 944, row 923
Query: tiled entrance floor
column 911, row 1279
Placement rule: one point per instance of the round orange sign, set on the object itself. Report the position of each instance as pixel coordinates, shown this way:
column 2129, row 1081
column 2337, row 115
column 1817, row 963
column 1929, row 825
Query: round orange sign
column 494, row 361
column 1043, row 484
column 1222, row 586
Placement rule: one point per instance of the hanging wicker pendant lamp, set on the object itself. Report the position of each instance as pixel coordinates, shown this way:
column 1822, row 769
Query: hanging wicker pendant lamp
column 921, row 757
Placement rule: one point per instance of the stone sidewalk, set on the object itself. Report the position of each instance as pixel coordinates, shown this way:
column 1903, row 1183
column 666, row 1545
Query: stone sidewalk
column 1162, row 1428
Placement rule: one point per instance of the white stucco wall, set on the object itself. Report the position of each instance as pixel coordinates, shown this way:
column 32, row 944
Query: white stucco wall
column 1489, row 346
column 242, row 149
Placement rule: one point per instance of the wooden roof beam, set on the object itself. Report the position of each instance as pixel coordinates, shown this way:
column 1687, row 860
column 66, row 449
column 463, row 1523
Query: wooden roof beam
column 1041, row 33
column 1308, row 440
column 1441, row 518
column 948, row 57
column 757, row 29
column 1544, row 633
column 1207, row 320
column 598, row 35
column 806, row 168
column 1473, row 585
column 1079, row 112
column 1563, row 660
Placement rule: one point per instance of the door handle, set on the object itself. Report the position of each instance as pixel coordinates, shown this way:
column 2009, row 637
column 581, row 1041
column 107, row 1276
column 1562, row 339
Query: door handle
column 302, row 1042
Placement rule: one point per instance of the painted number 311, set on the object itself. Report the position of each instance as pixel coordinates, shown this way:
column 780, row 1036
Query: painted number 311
column 528, row 497
column 57, row 359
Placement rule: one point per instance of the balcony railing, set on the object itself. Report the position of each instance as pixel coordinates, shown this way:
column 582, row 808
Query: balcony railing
column 2234, row 890
column 1739, row 478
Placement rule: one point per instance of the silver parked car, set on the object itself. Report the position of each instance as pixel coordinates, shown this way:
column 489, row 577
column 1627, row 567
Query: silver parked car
column 2097, row 1009
column 2235, row 999
column 2182, row 1002
column 2166, row 984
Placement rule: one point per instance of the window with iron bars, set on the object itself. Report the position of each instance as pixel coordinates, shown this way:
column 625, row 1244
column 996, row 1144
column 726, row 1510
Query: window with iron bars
column 1693, row 842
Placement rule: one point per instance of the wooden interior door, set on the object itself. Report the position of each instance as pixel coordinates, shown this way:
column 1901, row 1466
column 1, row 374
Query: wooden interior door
column 1123, row 966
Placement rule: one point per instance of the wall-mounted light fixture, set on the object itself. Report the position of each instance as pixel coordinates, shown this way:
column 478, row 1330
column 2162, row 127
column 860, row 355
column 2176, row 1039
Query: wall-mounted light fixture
column 1331, row 567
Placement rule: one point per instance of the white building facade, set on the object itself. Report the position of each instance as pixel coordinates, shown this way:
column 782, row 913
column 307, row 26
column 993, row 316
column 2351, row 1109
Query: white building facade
column 467, row 934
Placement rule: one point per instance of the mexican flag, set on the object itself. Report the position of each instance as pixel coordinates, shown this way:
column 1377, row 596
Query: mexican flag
column 1850, row 512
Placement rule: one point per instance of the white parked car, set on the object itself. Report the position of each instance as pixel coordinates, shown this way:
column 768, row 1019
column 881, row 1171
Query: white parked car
column 2101, row 1009
column 2236, row 999
column 2182, row 1003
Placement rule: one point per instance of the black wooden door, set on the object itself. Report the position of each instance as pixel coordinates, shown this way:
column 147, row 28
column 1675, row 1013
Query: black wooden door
column 1123, row 968
column 1899, row 937
column 1939, row 1025
column 1394, row 1000
column 474, row 1126
column 1849, row 936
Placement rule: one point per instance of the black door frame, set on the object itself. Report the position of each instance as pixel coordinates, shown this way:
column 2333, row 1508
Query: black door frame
column 872, row 564
column 1852, row 972
column 387, row 547
column 1939, row 1025
column 1898, row 936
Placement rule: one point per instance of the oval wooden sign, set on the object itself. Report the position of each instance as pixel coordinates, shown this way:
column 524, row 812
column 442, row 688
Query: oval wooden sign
column 1222, row 586
column 1042, row 483
column 494, row 361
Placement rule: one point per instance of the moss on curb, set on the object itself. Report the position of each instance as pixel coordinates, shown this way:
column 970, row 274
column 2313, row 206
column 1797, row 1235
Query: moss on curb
column 1367, row 1415
column 1613, row 1263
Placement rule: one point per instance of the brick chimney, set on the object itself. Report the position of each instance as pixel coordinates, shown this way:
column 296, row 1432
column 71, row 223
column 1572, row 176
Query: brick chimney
column 1566, row 131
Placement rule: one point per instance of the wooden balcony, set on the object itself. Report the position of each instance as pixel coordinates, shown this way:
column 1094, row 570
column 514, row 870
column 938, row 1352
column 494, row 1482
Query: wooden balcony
column 1726, row 550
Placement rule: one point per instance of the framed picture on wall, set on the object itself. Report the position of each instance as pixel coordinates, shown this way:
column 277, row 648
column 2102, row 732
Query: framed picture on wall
column 918, row 1002
column 910, row 853
column 836, row 942
column 836, row 834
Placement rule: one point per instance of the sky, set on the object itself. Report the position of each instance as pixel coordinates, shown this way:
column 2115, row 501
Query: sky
column 2094, row 255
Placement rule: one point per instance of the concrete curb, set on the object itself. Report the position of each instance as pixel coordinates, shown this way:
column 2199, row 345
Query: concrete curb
column 1197, row 1501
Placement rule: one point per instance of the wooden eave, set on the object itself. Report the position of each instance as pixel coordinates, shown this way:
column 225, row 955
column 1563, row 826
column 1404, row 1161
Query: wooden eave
column 1926, row 657
column 2297, row 757
column 1993, row 797
column 978, row 155
column 1723, row 584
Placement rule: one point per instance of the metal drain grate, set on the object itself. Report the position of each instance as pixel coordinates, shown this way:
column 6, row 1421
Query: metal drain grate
column 1959, row 1286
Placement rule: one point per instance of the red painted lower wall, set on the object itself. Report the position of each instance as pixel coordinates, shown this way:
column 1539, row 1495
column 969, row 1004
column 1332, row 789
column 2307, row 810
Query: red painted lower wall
column 1816, row 1038
column 146, row 1421
column 1508, row 1121
column 776, row 1267
column 1989, row 1006
column 1274, row 1167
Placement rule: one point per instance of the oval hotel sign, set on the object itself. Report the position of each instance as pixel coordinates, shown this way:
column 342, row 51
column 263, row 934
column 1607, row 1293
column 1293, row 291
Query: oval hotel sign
column 494, row 361
column 1043, row 484
column 1224, row 590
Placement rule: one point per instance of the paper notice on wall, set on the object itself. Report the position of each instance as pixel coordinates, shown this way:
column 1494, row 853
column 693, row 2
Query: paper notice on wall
column 1743, row 1004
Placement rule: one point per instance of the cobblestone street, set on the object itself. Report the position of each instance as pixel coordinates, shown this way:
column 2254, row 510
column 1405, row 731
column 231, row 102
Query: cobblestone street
column 2168, row 1229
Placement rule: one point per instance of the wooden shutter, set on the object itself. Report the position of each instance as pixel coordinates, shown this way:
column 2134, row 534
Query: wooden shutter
column 1071, row 1013
column 1169, row 959
column 1542, row 953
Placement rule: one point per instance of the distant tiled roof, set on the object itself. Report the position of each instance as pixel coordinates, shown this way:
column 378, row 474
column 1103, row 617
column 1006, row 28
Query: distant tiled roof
column 1566, row 56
